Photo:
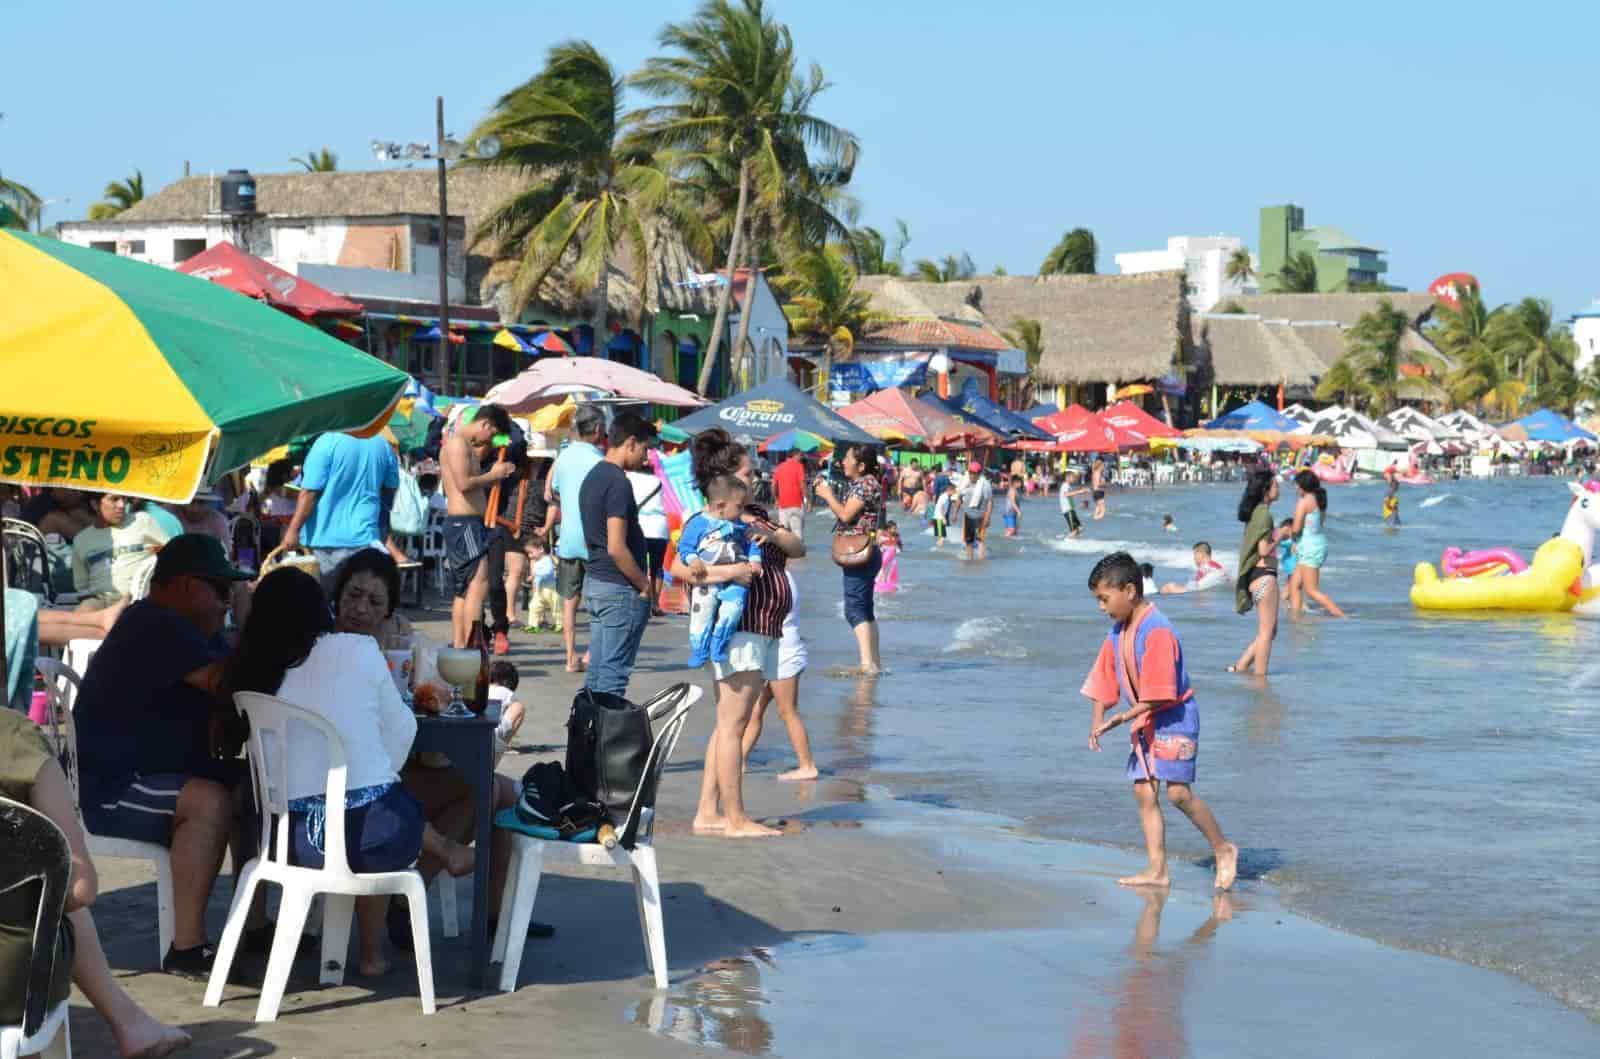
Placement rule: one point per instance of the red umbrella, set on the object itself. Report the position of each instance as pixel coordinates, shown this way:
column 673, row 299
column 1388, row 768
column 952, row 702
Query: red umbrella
column 228, row 266
column 1125, row 415
column 1077, row 429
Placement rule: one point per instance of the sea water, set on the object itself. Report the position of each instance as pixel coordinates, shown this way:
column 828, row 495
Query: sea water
column 1425, row 780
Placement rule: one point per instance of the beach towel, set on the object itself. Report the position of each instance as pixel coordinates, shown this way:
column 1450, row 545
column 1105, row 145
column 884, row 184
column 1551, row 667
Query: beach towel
column 1255, row 531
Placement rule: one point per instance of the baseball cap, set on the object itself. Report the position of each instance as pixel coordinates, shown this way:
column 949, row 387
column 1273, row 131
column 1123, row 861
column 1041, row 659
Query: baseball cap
column 196, row 555
column 975, row 467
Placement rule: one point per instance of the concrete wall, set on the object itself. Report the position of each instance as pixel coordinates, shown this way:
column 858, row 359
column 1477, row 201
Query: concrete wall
column 1586, row 331
column 1204, row 260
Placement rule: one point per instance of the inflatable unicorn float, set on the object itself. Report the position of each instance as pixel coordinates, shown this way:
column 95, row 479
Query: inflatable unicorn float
column 1334, row 470
column 1560, row 577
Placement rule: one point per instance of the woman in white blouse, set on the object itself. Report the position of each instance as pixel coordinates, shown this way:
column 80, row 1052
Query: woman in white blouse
column 288, row 648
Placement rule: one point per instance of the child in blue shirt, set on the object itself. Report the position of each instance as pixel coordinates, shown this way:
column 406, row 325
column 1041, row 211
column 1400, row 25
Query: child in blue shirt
column 717, row 537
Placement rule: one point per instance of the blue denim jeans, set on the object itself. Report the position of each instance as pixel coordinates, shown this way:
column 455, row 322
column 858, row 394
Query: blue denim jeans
column 858, row 590
column 617, row 617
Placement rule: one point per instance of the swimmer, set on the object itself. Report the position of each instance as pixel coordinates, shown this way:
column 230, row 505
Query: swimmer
column 1168, row 525
column 1149, row 572
column 1208, row 573
column 1288, row 556
column 1391, row 499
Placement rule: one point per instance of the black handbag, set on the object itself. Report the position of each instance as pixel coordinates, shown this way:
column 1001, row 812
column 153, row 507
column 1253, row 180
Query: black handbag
column 608, row 743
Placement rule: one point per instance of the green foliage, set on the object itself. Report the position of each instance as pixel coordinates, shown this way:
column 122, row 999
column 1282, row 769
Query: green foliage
column 1075, row 254
column 824, row 305
column 119, row 195
column 874, row 255
column 1239, row 267
column 318, row 161
column 1369, row 372
column 1298, row 275
column 947, row 269
column 1229, row 307
column 1028, row 336
column 19, row 204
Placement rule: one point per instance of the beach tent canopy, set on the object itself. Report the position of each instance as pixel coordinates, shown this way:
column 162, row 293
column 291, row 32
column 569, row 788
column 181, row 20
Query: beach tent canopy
column 893, row 413
column 1045, row 409
column 772, row 408
column 1545, row 425
column 553, row 379
column 972, row 405
column 1416, row 426
column 1352, row 430
column 1300, row 413
column 1471, row 427
column 227, row 266
column 1125, row 415
column 1253, row 416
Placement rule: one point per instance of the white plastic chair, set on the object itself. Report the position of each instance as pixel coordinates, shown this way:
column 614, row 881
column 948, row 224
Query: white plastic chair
column 270, row 718
column 61, row 684
column 23, row 827
column 635, row 849
column 433, row 549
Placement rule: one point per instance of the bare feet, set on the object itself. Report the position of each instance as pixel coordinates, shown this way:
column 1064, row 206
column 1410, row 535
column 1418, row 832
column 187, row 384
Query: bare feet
column 799, row 774
column 709, row 825
column 1227, row 866
column 459, row 860
column 1148, row 877
column 577, row 665
column 750, row 829
column 149, row 1039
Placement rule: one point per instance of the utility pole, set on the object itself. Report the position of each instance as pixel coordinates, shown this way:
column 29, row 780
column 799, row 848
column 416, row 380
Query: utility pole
column 444, row 260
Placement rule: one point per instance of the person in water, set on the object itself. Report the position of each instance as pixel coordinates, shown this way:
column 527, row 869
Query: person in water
column 1069, row 511
column 1311, row 549
column 1391, row 499
column 1287, row 557
column 1142, row 660
column 1208, row 573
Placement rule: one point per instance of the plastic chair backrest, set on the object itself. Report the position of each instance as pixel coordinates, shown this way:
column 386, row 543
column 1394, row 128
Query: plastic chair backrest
column 270, row 718
column 674, row 705
column 36, row 851
column 61, row 684
column 27, row 558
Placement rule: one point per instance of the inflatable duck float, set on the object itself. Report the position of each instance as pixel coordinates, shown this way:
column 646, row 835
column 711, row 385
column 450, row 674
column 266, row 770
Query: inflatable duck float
column 1558, row 579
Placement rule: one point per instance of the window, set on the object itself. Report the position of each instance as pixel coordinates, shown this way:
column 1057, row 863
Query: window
column 184, row 249
column 108, row 245
column 136, row 246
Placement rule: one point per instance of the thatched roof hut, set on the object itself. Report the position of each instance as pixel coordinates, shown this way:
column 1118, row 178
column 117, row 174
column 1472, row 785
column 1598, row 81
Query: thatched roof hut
column 1342, row 309
column 1245, row 350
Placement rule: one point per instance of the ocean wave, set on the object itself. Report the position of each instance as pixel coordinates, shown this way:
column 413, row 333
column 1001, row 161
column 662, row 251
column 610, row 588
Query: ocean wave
column 1165, row 554
column 985, row 636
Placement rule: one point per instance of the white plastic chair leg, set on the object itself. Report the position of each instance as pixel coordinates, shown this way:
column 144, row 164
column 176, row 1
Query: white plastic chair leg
column 166, row 914
column 422, row 950
column 231, row 932
column 648, row 887
column 449, row 919
column 337, row 910
column 60, row 1046
column 512, row 936
column 292, row 912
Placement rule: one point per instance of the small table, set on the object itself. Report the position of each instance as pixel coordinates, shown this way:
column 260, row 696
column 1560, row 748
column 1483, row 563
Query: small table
column 469, row 744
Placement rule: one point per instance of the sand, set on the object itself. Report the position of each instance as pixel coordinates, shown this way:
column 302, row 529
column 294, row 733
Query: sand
column 874, row 926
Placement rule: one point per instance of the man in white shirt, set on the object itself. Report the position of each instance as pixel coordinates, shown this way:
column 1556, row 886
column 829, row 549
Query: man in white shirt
column 977, row 502
column 647, row 489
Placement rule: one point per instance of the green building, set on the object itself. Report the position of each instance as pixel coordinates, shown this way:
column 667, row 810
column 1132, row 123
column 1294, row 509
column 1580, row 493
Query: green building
column 1343, row 263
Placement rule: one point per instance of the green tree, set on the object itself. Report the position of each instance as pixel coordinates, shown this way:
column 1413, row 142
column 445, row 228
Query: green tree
column 874, row 255
column 1298, row 275
column 1344, row 383
column 1545, row 352
column 119, row 195
column 947, row 269
column 1239, row 267
column 732, row 89
column 1229, row 307
column 588, row 190
column 1028, row 336
column 1074, row 255
column 19, row 204
column 824, row 305
column 323, row 161
column 1375, row 352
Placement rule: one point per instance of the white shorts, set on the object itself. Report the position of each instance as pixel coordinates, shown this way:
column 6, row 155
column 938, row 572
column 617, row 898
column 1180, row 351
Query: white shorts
column 749, row 653
column 791, row 650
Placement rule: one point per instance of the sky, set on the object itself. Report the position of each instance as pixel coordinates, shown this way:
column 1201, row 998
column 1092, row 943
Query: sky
column 1457, row 136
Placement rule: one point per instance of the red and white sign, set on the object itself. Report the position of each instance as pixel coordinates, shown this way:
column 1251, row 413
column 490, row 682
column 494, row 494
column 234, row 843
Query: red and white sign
column 1449, row 288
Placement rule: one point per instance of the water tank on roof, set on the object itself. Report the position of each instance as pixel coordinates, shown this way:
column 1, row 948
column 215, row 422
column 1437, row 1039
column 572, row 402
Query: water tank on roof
column 238, row 193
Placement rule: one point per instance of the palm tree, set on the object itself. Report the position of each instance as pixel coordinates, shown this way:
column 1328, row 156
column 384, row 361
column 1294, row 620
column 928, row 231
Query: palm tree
column 19, row 204
column 947, row 269
column 823, row 303
column 1074, row 255
column 1239, row 268
column 1544, row 350
column 119, row 195
column 733, row 90
column 323, row 161
column 588, row 190
column 1375, row 352
column 872, row 252
column 1028, row 336
column 1476, row 339
column 1298, row 274
column 1343, row 383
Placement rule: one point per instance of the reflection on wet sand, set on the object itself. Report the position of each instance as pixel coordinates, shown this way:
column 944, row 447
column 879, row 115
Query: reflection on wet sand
column 855, row 724
column 719, row 1007
column 1146, row 1015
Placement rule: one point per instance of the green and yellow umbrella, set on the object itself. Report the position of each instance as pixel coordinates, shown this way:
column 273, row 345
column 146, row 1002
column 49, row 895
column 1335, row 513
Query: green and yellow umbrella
column 130, row 378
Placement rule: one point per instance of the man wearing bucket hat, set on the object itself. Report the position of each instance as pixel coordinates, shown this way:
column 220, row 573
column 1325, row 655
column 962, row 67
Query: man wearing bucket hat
column 145, row 716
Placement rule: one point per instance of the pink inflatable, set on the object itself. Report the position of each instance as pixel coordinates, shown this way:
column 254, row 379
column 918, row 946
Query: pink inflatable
column 1333, row 471
column 1457, row 563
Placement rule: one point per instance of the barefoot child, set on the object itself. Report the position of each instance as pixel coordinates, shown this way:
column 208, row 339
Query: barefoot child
column 1069, row 511
column 1142, row 661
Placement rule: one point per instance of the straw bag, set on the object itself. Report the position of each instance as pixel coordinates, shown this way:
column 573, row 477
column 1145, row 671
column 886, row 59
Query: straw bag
column 299, row 558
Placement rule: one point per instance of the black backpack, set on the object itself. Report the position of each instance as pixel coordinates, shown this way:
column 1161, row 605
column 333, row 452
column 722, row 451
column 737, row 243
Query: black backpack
column 608, row 743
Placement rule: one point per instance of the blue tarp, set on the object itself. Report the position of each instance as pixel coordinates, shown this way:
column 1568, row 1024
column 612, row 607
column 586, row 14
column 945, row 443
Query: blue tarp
column 772, row 408
column 1253, row 416
column 1039, row 411
column 1545, row 425
column 972, row 404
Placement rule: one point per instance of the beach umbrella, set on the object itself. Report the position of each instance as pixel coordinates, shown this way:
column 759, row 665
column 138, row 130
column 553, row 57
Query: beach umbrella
column 1138, row 389
column 894, row 415
column 790, row 440
column 1125, row 415
column 975, row 406
column 227, row 266
column 550, row 342
column 772, row 408
column 1253, row 416
column 1545, row 425
column 552, row 380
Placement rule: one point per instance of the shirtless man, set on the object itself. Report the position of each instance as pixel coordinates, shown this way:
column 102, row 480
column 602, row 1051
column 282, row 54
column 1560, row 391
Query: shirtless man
column 1097, row 486
column 466, row 538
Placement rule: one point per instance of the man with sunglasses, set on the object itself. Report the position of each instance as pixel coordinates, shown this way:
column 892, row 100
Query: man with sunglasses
column 146, row 717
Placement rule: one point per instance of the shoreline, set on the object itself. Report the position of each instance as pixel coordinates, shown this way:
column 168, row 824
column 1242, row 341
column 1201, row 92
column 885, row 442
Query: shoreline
column 954, row 918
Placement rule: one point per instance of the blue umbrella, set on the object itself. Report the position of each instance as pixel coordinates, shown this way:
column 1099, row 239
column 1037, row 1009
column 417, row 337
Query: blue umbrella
column 1545, row 425
column 1253, row 416
column 973, row 405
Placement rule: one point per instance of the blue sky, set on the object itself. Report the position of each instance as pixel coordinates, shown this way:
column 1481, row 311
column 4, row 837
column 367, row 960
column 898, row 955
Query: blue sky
column 1454, row 135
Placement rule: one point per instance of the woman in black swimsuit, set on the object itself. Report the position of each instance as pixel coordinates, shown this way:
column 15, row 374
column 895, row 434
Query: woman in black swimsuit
column 1257, row 585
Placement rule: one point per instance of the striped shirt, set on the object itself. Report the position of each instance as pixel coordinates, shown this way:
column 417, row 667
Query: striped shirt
column 770, row 596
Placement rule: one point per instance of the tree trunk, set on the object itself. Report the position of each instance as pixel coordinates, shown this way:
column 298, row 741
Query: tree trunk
column 824, row 379
column 602, row 295
column 739, row 356
column 720, row 323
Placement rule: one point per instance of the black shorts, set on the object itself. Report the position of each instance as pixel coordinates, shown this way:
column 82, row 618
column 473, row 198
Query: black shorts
column 972, row 529
column 655, row 554
column 466, row 543
column 1099, row 495
column 1073, row 525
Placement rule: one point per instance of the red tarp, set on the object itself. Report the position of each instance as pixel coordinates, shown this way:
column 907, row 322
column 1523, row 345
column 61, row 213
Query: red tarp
column 1077, row 429
column 1125, row 415
column 228, row 266
column 894, row 411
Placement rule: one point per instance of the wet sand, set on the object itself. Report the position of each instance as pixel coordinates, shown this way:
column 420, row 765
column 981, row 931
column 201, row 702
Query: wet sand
column 878, row 925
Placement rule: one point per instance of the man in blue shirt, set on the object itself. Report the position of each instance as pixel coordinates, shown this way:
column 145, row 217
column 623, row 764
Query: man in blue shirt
column 572, row 554
column 346, row 487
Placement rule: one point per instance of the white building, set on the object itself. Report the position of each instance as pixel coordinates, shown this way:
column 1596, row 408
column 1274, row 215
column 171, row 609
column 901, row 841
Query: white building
column 1203, row 258
column 1586, row 331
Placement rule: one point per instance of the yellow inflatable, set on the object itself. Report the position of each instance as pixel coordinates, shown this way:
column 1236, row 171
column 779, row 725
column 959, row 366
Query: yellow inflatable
column 1545, row 586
